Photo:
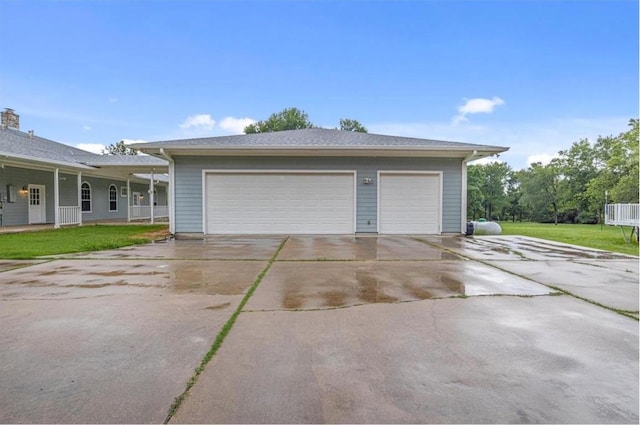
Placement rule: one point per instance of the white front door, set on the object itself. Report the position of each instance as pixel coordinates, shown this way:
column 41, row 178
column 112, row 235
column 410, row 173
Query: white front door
column 135, row 210
column 37, row 204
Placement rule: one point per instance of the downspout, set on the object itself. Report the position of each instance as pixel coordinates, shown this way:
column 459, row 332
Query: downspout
column 171, row 192
column 463, row 203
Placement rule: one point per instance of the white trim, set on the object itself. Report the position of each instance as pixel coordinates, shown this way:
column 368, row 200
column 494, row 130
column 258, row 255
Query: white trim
column 276, row 171
column 151, row 197
column 171, row 190
column 128, row 200
column 109, row 197
column 56, row 198
column 43, row 202
column 90, row 198
column 124, row 191
column 410, row 172
column 79, row 189
column 463, row 200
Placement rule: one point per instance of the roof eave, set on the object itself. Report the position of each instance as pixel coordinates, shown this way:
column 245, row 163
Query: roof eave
column 433, row 151
column 42, row 161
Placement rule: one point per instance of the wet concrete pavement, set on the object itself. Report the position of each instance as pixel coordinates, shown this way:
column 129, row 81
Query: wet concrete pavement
column 341, row 329
column 475, row 360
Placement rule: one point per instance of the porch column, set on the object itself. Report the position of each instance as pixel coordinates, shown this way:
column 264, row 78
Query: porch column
column 128, row 200
column 151, row 197
column 56, row 198
column 79, row 185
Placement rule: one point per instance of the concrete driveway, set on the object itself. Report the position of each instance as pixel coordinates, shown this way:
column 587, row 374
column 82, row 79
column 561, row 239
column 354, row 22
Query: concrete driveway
column 340, row 329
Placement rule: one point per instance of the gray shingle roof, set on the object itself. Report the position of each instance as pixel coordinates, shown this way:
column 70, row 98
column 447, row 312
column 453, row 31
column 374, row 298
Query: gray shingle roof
column 20, row 144
column 315, row 137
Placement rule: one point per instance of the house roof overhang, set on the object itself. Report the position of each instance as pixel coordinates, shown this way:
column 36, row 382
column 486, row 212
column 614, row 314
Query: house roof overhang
column 354, row 151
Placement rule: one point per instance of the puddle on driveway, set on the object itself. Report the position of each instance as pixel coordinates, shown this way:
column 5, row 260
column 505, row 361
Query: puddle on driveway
column 211, row 248
column 324, row 284
column 361, row 248
column 518, row 248
column 113, row 276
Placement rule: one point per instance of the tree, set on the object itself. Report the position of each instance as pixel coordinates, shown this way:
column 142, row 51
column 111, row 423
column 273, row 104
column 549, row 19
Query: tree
column 617, row 168
column 539, row 185
column 578, row 167
column 347, row 124
column 287, row 119
column 119, row 149
column 495, row 178
column 296, row 119
column 514, row 193
column 475, row 198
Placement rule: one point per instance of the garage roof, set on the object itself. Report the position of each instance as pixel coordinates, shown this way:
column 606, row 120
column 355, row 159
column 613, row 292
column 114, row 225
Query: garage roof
column 317, row 141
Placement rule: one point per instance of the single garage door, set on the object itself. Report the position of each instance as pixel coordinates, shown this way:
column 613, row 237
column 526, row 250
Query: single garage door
column 409, row 203
column 279, row 202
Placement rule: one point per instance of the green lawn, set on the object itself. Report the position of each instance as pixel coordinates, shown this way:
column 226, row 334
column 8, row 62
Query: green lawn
column 590, row 235
column 76, row 239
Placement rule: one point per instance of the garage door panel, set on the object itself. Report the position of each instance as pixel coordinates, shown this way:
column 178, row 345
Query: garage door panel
column 263, row 203
column 409, row 203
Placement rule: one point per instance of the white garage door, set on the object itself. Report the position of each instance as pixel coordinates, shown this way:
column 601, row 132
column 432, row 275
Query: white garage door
column 409, row 203
column 278, row 203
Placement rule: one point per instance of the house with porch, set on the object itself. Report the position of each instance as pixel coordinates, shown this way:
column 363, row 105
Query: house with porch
column 44, row 181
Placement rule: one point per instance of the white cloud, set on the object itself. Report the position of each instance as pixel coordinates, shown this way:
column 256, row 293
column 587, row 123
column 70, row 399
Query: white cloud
column 543, row 158
column 486, row 160
column 132, row 141
column 91, row 147
column 86, row 127
column 198, row 122
column 235, row 125
column 112, row 99
column 477, row 106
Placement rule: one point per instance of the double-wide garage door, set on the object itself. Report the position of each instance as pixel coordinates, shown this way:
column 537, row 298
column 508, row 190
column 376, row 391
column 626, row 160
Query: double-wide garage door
column 280, row 202
column 310, row 202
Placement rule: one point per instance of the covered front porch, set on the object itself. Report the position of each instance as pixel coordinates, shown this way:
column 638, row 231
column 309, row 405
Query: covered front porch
column 36, row 194
column 136, row 206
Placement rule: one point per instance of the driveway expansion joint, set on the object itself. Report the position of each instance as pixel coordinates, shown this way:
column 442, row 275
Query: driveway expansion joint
column 222, row 335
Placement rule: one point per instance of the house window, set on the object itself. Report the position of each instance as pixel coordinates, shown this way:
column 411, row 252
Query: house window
column 85, row 196
column 113, row 198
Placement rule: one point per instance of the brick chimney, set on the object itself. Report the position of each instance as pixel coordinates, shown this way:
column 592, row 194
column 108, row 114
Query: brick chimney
column 10, row 119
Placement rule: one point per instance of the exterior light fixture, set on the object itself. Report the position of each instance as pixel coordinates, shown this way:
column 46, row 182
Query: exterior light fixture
column 367, row 180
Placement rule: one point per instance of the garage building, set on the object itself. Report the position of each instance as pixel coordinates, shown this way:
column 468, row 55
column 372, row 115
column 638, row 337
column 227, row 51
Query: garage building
column 316, row 181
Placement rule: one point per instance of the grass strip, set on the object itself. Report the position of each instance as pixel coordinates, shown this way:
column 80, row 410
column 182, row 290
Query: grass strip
column 30, row 245
column 221, row 336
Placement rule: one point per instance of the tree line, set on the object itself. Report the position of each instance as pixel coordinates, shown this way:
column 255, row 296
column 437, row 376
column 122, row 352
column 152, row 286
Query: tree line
column 569, row 189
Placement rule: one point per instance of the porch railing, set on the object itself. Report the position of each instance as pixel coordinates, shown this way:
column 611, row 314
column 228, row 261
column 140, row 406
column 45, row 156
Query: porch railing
column 144, row 211
column 69, row 215
column 622, row 214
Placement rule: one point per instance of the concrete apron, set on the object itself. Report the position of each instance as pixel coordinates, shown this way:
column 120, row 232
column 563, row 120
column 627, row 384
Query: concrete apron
column 114, row 340
column 297, row 355
column 114, row 336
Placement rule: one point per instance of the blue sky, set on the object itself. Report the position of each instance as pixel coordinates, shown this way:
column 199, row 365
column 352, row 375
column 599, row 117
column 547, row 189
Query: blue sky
column 532, row 75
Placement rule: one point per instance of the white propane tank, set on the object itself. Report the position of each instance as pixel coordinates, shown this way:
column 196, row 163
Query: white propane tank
column 486, row 228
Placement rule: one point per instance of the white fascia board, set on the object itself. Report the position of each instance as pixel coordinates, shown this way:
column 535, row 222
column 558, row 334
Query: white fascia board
column 330, row 151
column 6, row 157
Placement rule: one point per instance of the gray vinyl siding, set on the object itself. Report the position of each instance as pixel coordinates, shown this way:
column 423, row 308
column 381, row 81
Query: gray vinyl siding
column 100, row 198
column 188, row 183
column 17, row 213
